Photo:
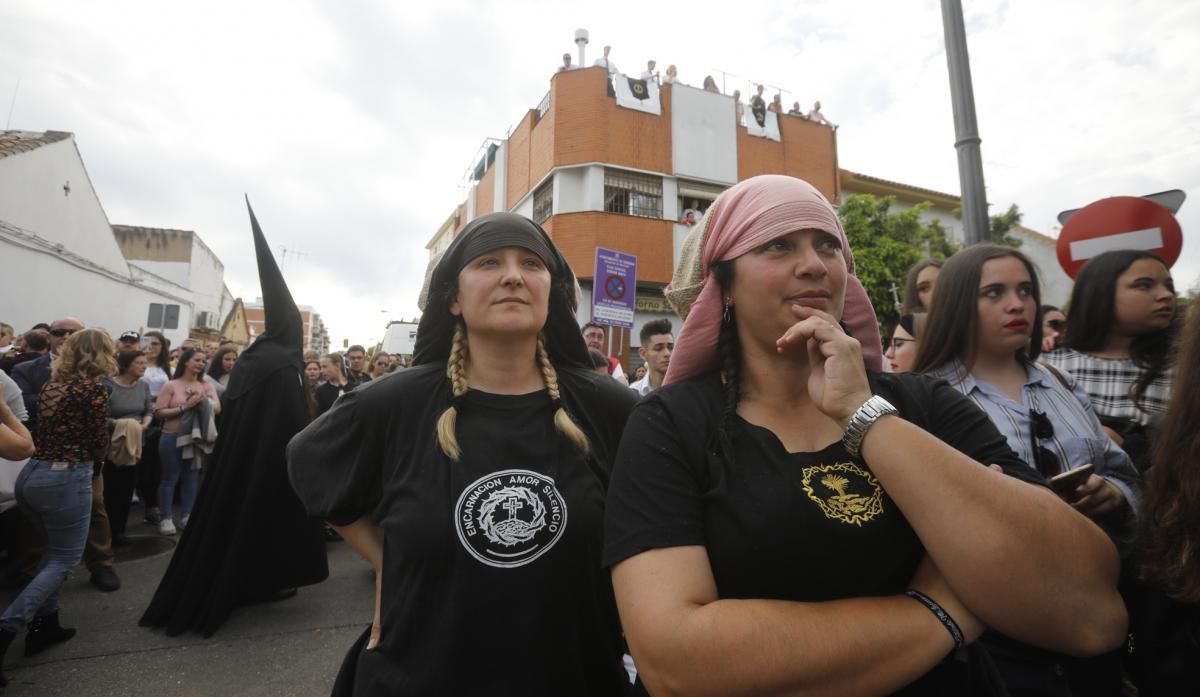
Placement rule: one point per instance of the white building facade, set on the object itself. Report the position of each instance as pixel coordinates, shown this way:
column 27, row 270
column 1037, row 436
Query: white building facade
column 1041, row 250
column 58, row 257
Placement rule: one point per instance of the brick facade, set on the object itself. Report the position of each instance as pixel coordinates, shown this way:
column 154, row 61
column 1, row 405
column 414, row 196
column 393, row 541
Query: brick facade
column 578, row 235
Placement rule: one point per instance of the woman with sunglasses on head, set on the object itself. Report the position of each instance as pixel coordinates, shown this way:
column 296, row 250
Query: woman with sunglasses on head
column 149, row 468
column 776, row 526
column 983, row 337
column 54, row 488
column 474, row 483
column 1118, row 344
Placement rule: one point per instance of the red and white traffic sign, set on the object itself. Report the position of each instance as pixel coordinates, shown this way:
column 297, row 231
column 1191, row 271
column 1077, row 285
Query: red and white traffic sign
column 1120, row 222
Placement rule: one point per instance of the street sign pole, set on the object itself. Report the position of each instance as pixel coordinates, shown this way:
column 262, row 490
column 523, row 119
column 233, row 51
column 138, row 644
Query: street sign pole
column 966, row 131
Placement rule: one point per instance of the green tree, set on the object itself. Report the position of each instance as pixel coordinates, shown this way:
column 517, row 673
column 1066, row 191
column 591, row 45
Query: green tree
column 1002, row 225
column 887, row 244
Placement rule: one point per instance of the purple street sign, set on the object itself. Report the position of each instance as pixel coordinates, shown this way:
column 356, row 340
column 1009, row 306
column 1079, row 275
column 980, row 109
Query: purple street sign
column 614, row 288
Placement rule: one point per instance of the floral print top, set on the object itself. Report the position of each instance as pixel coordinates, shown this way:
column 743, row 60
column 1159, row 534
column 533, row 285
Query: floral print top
column 72, row 420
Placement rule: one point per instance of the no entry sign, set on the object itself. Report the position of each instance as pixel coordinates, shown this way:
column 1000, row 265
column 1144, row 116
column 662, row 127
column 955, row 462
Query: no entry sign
column 1120, row 222
column 614, row 288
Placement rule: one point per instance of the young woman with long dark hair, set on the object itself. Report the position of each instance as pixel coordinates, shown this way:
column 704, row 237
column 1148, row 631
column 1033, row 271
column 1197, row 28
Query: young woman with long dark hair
column 984, row 338
column 1165, row 649
column 149, row 468
column 783, row 520
column 337, row 382
column 1118, row 344
column 919, row 285
column 221, row 367
column 181, row 396
column 474, row 483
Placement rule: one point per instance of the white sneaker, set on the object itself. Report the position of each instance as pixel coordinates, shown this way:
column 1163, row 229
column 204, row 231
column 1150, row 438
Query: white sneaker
column 166, row 527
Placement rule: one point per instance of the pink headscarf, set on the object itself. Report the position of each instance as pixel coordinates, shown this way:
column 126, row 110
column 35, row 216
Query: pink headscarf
column 745, row 217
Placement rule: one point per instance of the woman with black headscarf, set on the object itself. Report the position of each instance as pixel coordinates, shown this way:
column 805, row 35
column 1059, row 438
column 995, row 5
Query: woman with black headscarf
column 475, row 482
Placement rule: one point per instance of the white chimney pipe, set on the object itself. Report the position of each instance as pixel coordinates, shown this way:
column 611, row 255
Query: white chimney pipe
column 581, row 40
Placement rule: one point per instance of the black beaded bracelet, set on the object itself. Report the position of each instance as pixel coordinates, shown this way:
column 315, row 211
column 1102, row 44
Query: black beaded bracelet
column 943, row 616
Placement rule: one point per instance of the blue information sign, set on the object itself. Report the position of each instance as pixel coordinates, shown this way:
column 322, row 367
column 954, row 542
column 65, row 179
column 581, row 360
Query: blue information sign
column 614, row 288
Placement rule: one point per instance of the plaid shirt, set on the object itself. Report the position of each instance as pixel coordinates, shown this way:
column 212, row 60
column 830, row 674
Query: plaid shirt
column 1108, row 382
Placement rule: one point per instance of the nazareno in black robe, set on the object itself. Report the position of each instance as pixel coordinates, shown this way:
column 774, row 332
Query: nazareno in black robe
column 249, row 537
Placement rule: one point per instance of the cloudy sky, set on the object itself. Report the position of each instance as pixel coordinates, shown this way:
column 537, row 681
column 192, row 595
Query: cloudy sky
column 351, row 124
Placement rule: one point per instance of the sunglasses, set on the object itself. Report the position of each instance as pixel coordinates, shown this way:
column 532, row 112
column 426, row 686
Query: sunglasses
column 897, row 343
column 1045, row 459
column 62, row 332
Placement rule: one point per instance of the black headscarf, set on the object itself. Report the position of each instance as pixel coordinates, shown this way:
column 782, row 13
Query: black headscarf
column 435, row 332
column 282, row 343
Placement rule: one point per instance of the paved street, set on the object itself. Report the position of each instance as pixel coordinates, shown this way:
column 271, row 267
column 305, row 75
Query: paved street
column 288, row 648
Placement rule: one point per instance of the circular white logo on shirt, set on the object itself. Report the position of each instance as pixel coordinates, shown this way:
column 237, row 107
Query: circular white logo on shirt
column 510, row 518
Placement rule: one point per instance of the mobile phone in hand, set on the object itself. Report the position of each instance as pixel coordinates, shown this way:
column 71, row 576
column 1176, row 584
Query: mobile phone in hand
column 1066, row 483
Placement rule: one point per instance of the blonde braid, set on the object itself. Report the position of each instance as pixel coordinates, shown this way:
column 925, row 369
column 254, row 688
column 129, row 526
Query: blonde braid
column 456, row 370
column 562, row 420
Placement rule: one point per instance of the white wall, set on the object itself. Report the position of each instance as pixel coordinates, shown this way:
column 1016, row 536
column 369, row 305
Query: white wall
column 703, row 135
column 1042, row 251
column 32, row 198
column 207, row 282
column 95, row 298
column 176, row 272
column 525, row 207
column 570, row 190
column 400, row 337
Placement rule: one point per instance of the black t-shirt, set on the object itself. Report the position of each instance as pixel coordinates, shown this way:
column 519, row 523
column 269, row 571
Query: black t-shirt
column 492, row 579
column 777, row 525
column 327, row 393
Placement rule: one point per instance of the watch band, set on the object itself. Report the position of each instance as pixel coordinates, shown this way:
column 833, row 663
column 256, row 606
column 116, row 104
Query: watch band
column 862, row 420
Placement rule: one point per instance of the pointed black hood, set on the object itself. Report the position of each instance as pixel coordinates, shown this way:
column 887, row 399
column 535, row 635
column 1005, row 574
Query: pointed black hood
column 282, row 342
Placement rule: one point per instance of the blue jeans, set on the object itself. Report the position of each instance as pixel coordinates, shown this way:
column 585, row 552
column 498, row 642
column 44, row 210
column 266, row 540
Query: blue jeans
column 59, row 501
column 175, row 469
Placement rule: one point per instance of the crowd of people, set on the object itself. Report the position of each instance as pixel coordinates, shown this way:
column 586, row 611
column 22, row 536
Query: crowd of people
column 758, row 104
column 1002, row 498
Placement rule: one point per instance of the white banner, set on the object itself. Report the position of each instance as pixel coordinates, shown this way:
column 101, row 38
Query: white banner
column 641, row 95
column 770, row 129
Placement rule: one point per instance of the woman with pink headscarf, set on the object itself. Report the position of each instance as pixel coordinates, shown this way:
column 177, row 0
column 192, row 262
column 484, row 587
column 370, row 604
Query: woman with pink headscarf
column 784, row 520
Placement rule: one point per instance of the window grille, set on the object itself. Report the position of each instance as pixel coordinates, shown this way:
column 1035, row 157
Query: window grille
column 543, row 201
column 632, row 193
column 163, row 316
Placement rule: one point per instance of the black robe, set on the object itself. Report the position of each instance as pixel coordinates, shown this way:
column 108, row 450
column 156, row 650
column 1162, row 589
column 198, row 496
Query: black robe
column 249, row 536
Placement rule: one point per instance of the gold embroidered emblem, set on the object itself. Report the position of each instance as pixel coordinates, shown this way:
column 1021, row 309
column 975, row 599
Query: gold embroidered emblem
column 844, row 492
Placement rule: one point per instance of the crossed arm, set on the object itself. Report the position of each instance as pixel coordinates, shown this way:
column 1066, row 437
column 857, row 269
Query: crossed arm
column 1002, row 553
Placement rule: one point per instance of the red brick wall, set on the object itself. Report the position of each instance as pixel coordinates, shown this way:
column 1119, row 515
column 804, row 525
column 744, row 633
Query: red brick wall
column 578, row 235
column 517, row 180
column 601, row 131
column 485, row 192
column 808, row 151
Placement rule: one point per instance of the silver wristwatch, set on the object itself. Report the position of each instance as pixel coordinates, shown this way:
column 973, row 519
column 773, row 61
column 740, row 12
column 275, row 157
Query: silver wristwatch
column 863, row 419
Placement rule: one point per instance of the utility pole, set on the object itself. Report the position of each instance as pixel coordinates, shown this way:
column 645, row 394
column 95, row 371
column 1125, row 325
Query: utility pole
column 977, row 227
